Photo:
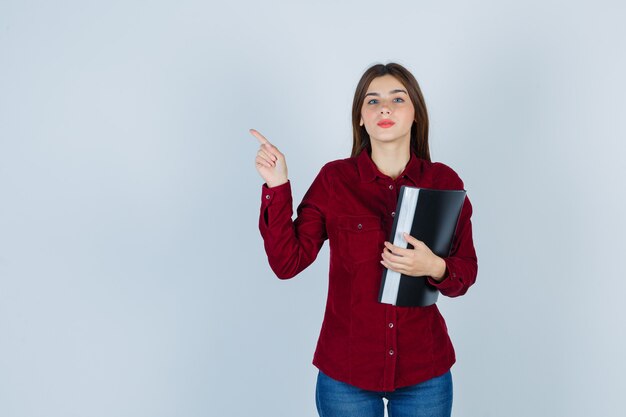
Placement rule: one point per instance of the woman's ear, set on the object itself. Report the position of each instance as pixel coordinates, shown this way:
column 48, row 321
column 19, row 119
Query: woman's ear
column 361, row 122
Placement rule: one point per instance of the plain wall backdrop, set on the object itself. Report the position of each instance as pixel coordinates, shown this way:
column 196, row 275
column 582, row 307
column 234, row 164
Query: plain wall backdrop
column 133, row 280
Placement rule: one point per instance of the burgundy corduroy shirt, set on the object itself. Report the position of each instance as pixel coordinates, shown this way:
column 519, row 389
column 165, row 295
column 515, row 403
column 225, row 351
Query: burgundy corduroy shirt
column 351, row 203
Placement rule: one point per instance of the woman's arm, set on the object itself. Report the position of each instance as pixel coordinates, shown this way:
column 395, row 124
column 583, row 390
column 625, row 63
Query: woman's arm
column 452, row 275
column 462, row 264
column 290, row 246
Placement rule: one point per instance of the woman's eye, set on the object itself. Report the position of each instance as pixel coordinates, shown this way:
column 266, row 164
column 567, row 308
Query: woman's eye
column 396, row 100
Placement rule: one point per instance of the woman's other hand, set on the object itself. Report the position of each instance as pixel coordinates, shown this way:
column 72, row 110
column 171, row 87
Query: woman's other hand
column 418, row 261
column 270, row 162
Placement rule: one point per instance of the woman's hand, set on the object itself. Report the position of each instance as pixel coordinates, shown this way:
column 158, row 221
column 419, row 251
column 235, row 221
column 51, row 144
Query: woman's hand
column 270, row 162
column 419, row 261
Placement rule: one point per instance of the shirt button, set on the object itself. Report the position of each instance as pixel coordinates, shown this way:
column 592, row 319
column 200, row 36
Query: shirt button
column 391, row 352
column 267, row 196
column 393, row 213
column 359, row 226
column 391, row 186
column 391, row 325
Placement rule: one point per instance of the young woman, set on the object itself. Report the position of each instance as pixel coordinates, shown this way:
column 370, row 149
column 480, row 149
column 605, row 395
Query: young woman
column 366, row 350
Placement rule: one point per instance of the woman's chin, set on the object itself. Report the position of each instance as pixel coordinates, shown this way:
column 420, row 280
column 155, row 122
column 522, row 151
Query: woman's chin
column 389, row 139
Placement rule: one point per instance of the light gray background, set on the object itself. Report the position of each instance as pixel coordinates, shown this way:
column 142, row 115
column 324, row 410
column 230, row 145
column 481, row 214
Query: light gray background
column 133, row 280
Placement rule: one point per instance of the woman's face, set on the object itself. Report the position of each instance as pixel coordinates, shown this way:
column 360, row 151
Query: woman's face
column 387, row 112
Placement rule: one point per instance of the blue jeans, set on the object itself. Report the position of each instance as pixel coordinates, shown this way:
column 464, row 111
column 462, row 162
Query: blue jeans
column 432, row 398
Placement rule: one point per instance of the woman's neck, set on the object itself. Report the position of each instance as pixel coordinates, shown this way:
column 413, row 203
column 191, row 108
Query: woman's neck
column 391, row 158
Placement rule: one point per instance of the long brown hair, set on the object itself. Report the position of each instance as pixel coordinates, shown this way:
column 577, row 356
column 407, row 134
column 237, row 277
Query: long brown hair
column 419, row 129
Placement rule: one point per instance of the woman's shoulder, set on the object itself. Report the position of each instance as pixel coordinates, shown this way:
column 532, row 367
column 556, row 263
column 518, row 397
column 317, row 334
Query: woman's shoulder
column 336, row 169
column 340, row 165
column 445, row 174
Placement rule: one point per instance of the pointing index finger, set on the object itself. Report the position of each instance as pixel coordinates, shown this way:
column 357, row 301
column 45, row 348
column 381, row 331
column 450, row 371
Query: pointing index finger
column 259, row 136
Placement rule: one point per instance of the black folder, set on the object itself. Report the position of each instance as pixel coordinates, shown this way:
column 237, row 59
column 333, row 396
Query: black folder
column 430, row 216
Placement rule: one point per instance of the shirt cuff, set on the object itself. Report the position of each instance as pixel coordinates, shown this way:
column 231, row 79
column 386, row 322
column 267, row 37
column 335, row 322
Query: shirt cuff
column 275, row 194
column 448, row 278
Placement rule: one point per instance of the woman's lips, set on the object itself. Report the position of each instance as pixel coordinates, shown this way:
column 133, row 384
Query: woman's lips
column 385, row 123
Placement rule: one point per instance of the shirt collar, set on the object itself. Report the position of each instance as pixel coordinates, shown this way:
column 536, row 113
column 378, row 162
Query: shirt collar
column 368, row 171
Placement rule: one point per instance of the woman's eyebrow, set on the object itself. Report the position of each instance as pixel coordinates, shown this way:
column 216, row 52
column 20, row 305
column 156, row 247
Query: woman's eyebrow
column 391, row 92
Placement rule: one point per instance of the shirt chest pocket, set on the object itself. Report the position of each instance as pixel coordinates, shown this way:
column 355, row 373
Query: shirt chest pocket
column 360, row 238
